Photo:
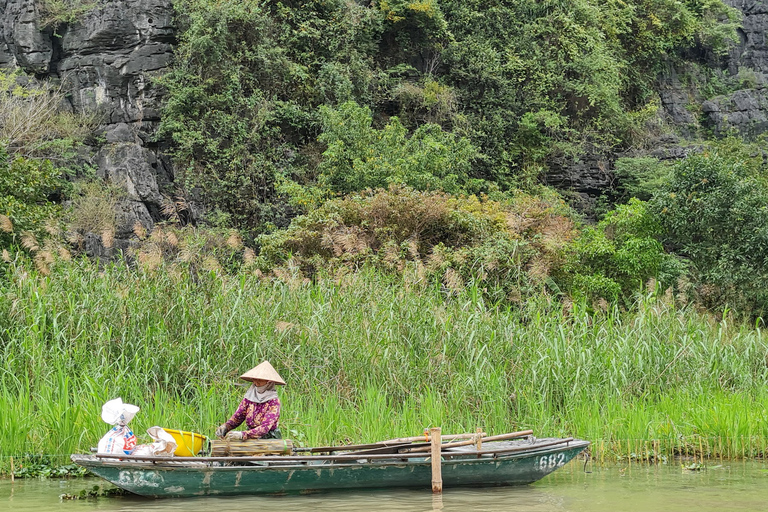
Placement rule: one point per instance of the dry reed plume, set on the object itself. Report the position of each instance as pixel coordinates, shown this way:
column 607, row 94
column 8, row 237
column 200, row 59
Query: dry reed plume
column 346, row 240
column 249, row 256
column 211, row 264
column 139, row 230
column 108, row 238
column 6, row 226
column 172, row 208
column 283, row 326
column 392, row 255
column 453, row 280
column 64, row 254
column 43, row 260
column 234, row 241
column 53, row 228
column 171, row 239
column 29, row 241
column 150, row 258
column 75, row 238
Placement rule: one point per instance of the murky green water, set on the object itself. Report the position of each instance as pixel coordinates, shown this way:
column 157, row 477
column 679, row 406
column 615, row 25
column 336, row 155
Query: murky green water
column 733, row 486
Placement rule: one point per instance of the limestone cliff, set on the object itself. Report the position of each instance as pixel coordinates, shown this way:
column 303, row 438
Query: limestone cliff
column 105, row 63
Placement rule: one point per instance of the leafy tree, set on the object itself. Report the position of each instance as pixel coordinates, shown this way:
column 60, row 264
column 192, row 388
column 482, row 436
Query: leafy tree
column 715, row 212
column 614, row 259
column 535, row 78
column 522, row 80
column 359, row 156
column 640, row 177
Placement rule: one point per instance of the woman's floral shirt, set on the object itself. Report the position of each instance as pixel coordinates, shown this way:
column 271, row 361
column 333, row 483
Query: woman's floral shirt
column 260, row 418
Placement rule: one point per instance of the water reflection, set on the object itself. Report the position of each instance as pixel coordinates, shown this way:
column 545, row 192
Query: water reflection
column 733, row 487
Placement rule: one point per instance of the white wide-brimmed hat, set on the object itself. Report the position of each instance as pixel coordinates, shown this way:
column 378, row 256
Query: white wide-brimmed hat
column 264, row 371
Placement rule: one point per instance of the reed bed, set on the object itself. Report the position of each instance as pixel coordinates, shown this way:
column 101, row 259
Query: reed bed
column 367, row 357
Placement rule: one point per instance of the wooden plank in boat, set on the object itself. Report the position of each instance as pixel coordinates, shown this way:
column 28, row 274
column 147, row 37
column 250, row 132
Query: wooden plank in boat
column 250, row 447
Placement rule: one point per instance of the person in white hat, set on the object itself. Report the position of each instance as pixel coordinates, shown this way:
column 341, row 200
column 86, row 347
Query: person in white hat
column 260, row 408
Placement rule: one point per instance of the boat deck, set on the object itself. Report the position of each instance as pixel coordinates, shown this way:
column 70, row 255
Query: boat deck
column 397, row 454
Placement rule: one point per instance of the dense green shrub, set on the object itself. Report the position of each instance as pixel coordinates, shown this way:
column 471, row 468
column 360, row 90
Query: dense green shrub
column 243, row 94
column 615, row 258
column 715, row 212
column 535, row 78
column 26, row 186
column 359, row 156
column 639, row 177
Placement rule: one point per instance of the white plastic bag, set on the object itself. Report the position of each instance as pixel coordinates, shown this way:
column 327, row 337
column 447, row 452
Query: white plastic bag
column 119, row 440
column 115, row 412
column 164, row 443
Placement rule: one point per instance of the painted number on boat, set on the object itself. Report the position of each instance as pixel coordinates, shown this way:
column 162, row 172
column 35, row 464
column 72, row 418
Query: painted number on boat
column 135, row 479
column 547, row 462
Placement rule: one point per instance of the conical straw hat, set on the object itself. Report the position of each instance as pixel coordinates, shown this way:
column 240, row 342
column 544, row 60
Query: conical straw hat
column 264, row 371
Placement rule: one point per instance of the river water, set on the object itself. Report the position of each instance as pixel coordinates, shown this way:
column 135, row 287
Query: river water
column 734, row 486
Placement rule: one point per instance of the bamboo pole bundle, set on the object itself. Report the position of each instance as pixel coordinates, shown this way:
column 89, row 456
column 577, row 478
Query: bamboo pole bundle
column 511, row 435
column 445, row 446
column 477, row 440
column 390, row 443
column 247, row 447
column 426, row 438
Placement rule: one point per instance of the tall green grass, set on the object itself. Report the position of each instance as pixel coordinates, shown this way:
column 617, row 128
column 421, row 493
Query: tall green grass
column 367, row 357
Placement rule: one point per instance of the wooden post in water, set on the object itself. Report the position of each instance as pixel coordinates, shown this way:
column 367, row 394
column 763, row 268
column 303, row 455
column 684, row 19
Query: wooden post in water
column 12, row 470
column 437, row 470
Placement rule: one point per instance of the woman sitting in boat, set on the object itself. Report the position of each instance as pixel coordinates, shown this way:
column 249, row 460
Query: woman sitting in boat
column 260, row 408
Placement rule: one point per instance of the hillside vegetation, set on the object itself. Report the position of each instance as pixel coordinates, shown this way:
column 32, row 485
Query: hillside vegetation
column 282, row 109
column 334, row 134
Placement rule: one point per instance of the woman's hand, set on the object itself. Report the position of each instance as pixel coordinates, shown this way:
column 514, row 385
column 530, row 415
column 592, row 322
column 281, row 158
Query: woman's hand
column 221, row 431
column 235, row 435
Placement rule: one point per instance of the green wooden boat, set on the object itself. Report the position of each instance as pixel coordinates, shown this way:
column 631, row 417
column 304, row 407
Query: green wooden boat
column 516, row 462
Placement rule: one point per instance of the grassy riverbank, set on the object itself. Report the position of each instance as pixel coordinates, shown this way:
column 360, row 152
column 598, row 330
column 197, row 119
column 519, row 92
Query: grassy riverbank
column 367, row 357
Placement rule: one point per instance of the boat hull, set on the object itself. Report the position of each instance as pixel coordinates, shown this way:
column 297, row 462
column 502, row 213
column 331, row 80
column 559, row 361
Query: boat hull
column 159, row 480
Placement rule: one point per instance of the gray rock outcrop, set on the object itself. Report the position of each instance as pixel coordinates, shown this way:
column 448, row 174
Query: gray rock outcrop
column 744, row 112
column 106, row 62
column 25, row 43
column 752, row 50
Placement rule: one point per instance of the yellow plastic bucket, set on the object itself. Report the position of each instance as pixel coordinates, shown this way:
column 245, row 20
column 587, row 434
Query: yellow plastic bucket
column 187, row 443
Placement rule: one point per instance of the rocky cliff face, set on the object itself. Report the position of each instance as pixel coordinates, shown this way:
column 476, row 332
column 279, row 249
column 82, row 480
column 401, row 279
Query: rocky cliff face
column 743, row 111
column 106, row 62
